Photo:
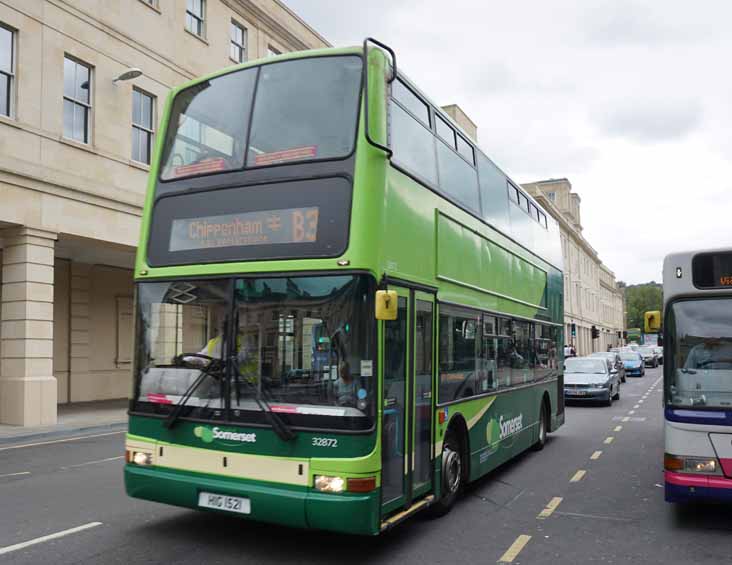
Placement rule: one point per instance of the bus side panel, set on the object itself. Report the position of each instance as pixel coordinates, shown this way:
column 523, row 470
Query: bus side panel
column 500, row 427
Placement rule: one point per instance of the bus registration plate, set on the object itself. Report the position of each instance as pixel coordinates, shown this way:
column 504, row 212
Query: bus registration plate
column 222, row 502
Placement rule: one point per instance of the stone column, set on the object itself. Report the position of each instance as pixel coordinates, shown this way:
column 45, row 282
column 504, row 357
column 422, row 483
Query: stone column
column 79, row 372
column 27, row 386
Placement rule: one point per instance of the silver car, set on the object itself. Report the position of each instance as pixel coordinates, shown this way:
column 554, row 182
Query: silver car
column 615, row 362
column 590, row 378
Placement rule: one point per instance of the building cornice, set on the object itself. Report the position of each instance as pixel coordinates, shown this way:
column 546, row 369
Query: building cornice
column 557, row 215
column 250, row 10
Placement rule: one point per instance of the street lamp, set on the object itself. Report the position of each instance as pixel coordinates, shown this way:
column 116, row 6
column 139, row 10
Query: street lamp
column 129, row 74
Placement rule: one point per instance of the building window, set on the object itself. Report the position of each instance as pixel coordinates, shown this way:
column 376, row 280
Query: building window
column 195, row 16
column 238, row 46
column 77, row 100
column 7, row 64
column 142, row 126
column 272, row 51
column 552, row 196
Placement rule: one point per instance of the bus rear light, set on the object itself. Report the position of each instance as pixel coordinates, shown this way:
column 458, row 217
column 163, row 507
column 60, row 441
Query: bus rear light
column 366, row 484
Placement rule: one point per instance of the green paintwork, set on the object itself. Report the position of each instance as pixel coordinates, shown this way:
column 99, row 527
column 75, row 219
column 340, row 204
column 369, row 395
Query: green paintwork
column 398, row 228
column 281, row 504
column 485, row 265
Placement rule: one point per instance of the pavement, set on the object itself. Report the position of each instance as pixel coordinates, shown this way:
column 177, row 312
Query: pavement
column 77, row 417
column 593, row 495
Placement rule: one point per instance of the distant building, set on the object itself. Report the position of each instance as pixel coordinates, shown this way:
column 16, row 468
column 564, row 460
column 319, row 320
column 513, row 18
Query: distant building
column 463, row 120
column 591, row 293
column 75, row 149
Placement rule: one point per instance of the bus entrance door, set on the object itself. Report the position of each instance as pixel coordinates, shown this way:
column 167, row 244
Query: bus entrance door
column 406, row 441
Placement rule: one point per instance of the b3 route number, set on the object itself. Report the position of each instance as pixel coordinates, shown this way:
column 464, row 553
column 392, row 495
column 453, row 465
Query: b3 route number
column 325, row 442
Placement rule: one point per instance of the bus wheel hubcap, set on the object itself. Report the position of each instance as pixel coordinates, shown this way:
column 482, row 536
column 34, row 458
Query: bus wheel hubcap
column 542, row 430
column 452, row 469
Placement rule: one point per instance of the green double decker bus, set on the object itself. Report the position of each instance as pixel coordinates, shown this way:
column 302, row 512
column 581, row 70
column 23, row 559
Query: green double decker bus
column 344, row 310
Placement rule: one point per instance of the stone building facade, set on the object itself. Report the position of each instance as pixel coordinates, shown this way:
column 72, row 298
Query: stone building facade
column 591, row 293
column 74, row 154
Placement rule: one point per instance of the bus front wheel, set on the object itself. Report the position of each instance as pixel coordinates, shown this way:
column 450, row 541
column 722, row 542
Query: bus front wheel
column 452, row 475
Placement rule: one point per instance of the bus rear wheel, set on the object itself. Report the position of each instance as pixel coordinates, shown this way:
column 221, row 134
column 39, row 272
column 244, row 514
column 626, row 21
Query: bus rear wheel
column 452, row 475
column 543, row 421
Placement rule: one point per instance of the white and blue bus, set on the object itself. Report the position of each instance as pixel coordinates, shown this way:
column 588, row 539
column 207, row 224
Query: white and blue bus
column 697, row 296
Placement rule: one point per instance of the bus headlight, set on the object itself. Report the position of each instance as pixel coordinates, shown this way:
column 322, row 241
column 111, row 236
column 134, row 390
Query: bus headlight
column 694, row 465
column 142, row 458
column 681, row 464
column 324, row 483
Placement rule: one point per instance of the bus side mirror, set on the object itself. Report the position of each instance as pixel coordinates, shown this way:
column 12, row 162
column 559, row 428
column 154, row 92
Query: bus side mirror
column 386, row 305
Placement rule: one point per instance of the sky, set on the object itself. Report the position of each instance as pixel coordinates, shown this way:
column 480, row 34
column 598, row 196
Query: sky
column 630, row 100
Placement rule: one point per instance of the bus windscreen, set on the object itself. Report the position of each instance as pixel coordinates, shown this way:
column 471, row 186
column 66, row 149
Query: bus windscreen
column 699, row 354
column 276, row 113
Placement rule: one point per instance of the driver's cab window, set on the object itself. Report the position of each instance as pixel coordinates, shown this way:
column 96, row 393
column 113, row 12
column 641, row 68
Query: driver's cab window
column 180, row 330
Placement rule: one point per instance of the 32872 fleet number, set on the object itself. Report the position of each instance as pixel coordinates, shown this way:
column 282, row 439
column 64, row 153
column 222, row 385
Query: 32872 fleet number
column 325, row 442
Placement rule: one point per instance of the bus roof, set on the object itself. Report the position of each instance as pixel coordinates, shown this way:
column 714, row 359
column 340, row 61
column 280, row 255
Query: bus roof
column 323, row 52
column 678, row 275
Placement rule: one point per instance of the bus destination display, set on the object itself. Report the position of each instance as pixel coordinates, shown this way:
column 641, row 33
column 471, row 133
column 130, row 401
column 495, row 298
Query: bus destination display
column 291, row 225
column 712, row 270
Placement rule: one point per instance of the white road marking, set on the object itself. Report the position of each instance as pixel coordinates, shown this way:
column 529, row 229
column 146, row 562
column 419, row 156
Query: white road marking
column 631, row 411
column 636, row 406
column 577, row 477
column 94, row 462
column 516, row 547
column 596, row 455
column 578, row 515
column 626, row 419
column 17, row 546
column 15, row 474
column 62, row 440
column 551, row 507
column 618, row 428
column 608, row 440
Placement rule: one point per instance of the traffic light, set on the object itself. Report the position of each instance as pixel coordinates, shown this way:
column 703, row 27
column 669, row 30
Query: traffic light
column 574, row 329
column 595, row 332
column 625, row 334
column 652, row 321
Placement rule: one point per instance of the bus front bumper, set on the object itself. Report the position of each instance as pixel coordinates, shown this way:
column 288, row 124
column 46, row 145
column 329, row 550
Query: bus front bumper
column 684, row 487
column 275, row 503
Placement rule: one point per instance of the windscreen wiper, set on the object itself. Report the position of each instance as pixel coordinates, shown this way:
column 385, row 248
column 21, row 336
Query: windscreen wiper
column 173, row 417
column 278, row 425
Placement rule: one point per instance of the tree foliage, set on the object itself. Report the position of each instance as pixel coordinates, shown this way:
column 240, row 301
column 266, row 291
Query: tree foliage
column 641, row 298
